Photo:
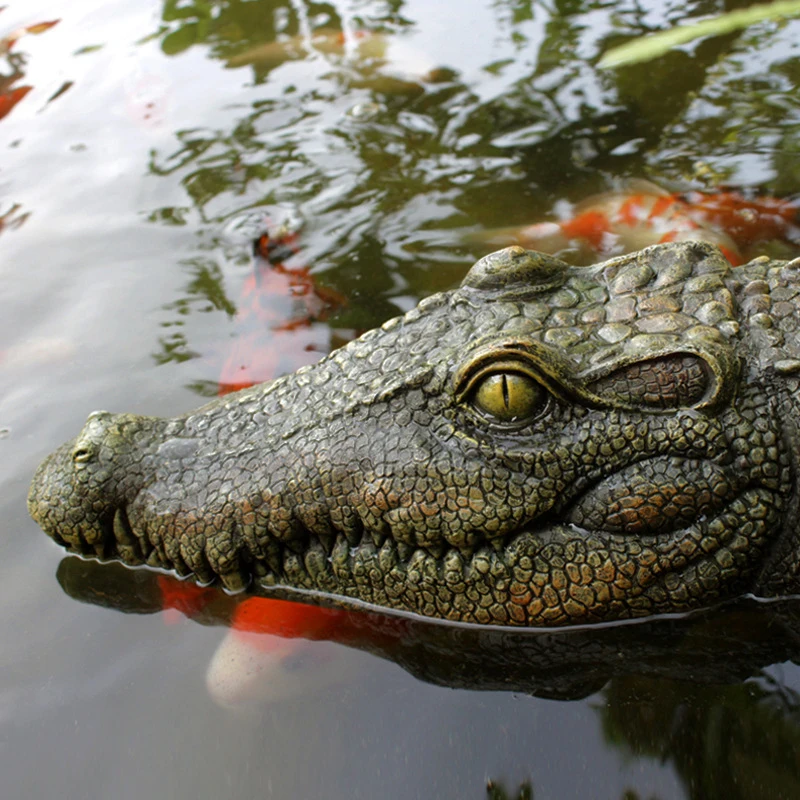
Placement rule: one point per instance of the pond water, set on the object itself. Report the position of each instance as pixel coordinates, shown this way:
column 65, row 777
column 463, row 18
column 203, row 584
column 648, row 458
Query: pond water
column 137, row 169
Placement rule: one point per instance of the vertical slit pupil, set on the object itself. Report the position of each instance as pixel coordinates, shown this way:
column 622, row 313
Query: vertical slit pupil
column 505, row 392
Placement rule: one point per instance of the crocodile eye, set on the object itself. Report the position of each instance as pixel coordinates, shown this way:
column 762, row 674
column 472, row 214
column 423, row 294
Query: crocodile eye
column 508, row 396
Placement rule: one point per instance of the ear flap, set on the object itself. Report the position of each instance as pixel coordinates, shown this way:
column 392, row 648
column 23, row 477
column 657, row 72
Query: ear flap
column 687, row 374
column 675, row 380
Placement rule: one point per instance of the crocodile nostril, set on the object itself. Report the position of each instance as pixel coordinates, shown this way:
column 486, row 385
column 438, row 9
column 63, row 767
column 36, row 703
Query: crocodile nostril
column 80, row 455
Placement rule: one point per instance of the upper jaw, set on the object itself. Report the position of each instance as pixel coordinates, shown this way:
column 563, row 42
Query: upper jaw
column 47, row 492
column 69, row 506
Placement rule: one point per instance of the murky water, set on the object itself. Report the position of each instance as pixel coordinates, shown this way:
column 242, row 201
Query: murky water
column 153, row 139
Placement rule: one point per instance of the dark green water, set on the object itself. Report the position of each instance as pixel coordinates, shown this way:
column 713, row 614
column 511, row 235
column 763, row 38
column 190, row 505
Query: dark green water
column 153, row 135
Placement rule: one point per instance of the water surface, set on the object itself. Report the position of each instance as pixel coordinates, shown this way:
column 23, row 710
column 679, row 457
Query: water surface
column 155, row 135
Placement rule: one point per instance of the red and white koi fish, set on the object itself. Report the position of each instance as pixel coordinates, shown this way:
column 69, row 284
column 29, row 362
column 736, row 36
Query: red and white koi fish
column 278, row 306
column 273, row 649
column 620, row 222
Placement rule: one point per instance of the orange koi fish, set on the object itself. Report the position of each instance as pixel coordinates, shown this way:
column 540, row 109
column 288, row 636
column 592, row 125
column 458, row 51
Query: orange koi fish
column 267, row 653
column 620, row 222
column 279, row 304
column 10, row 98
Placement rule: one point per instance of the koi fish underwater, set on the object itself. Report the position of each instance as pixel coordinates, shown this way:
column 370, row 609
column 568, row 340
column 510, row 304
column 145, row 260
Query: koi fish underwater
column 643, row 214
column 279, row 319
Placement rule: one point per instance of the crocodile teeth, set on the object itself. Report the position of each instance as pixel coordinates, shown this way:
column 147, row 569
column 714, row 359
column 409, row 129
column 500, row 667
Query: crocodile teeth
column 297, row 546
column 499, row 544
column 378, row 538
column 274, row 556
column 405, row 551
column 260, row 570
column 436, row 550
column 127, row 545
column 234, row 582
column 353, row 536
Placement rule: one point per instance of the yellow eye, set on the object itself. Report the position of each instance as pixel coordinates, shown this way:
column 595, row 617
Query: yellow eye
column 508, row 396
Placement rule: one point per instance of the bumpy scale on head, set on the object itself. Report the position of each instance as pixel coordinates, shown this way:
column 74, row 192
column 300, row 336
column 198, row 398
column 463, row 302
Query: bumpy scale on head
column 543, row 446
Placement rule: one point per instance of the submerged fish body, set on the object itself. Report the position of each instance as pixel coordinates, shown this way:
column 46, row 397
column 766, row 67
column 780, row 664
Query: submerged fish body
column 643, row 214
column 276, row 326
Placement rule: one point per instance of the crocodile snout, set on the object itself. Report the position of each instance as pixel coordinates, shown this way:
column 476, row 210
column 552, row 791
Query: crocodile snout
column 78, row 491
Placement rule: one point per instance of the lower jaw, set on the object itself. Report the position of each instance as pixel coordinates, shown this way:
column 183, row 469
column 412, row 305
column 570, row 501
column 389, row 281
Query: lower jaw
column 542, row 577
column 546, row 578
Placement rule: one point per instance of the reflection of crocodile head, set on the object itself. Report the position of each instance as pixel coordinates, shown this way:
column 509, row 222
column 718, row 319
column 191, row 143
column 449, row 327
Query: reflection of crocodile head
column 695, row 691
column 711, row 647
column 544, row 445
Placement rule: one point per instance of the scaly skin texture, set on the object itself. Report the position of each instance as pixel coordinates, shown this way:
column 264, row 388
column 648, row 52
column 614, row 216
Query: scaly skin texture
column 545, row 445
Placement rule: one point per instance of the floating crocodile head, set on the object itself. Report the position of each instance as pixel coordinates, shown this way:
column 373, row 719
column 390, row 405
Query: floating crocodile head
column 545, row 445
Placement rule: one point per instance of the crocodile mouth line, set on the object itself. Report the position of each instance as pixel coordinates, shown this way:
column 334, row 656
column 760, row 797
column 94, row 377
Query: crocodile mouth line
column 325, row 558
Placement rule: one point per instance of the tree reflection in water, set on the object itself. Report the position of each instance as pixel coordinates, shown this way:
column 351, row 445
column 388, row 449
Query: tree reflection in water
column 390, row 158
